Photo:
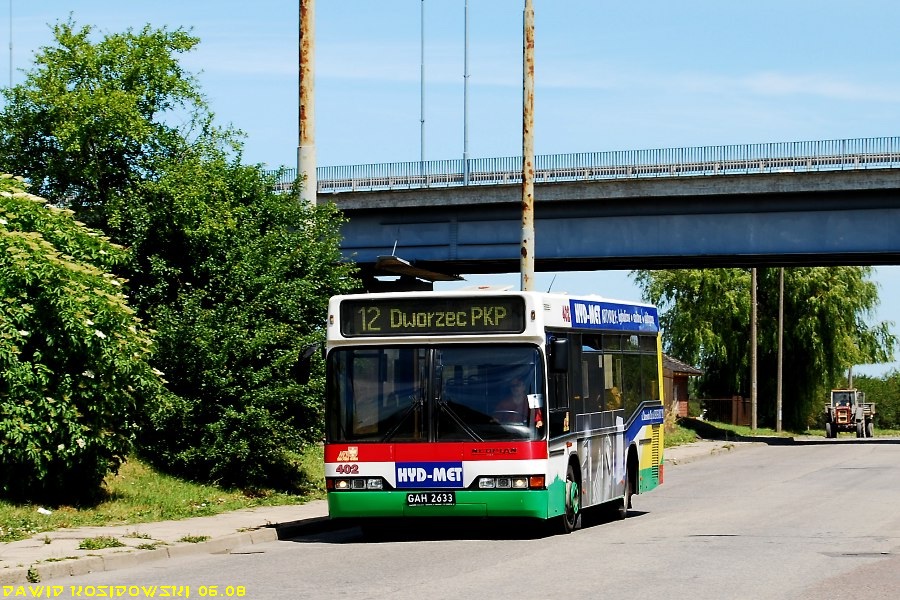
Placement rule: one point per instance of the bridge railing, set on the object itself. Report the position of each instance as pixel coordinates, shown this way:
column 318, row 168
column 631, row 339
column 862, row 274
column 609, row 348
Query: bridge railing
column 737, row 159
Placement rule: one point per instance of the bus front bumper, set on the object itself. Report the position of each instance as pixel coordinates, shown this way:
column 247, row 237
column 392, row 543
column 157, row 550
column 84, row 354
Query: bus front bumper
column 469, row 504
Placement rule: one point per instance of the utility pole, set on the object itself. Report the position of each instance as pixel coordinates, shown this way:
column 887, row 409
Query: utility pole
column 753, row 349
column 466, row 94
column 780, row 348
column 306, row 149
column 422, row 90
column 527, row 249
column 10, row 45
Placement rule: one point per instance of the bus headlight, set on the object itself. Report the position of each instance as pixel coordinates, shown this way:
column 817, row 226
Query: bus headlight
column 512, row 482
column 355, row 483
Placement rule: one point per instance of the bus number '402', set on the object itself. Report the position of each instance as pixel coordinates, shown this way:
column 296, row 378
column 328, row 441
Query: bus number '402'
column 347, row 469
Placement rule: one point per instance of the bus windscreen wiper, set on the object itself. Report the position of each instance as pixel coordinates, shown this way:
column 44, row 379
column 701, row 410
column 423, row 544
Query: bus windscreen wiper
column 445, row 406
column 417, row 402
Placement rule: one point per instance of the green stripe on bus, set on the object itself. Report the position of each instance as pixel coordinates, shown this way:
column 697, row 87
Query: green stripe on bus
column 469, row 503
column 648, row 479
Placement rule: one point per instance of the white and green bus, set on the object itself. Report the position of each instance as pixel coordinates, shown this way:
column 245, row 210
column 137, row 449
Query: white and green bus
column 421, row 419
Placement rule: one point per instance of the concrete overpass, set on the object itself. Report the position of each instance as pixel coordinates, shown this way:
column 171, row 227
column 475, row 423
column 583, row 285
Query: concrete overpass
column 804, row 203
column 838, row 217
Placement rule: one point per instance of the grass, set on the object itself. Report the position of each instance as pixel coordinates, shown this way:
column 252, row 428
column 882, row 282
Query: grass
column 688, row 430
column 149, row 546
column 678, row 436
column 849, row 434
column 714, row 430
column 99, row 543
column 194, row 539
column 139, row 494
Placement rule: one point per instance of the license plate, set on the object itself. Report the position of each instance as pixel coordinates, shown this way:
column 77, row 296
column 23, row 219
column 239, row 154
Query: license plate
column 431, row 499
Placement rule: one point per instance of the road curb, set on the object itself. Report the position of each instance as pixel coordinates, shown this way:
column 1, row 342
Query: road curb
column 54, row 570
column 682, row 455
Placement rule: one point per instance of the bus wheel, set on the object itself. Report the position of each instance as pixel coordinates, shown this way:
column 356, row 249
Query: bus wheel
column 573, row 501
column 622, row 511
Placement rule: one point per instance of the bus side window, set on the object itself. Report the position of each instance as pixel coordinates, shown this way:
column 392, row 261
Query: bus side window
column 558, row 384
column 559, row 409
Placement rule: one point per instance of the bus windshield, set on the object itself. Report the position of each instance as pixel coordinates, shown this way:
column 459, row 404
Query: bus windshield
column 440, row 393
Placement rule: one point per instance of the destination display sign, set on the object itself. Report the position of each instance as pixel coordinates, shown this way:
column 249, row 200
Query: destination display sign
column 432, row 316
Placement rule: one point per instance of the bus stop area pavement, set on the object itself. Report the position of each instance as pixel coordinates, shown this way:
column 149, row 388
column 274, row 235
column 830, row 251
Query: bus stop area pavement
column 55, row 555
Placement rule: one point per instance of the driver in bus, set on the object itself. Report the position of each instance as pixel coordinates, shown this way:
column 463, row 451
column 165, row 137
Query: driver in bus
column 513, row 408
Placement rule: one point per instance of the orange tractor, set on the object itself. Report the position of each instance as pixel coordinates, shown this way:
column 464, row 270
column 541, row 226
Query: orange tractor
column 849, row 411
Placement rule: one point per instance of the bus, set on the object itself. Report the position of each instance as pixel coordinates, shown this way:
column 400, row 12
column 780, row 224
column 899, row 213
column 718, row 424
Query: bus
column 415, row 421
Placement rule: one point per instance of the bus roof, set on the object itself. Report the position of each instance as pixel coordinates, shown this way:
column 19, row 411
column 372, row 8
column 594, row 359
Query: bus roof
column 496, row 290
column 478, row 312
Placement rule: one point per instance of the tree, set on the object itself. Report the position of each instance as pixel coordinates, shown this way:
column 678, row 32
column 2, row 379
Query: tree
column 92, row 120
column 233, row 278
column 235, row 307
column 885, row 393
column 706, row 321
column 73, row 356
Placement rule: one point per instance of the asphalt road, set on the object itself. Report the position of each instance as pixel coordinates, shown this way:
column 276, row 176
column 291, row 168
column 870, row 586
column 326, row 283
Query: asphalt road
column 802, row 521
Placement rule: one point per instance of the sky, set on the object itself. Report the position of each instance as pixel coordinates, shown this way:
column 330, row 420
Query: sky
column 608, row 76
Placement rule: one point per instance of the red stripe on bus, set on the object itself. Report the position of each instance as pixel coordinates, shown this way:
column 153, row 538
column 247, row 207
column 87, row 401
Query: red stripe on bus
column 434, row 452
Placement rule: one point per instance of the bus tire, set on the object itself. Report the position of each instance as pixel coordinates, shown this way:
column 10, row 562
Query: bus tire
column 571, row 518
column 622, row 508
column 631, row 476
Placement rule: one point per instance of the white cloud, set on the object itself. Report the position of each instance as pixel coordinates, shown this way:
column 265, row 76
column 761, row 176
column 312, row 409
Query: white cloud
column 828, row 86
column 825, row 86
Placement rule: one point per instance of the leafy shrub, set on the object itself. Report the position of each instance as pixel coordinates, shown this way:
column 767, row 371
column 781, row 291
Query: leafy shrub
column 73, row 370
column 237, row 287
column 885, row 393
column 234, row 277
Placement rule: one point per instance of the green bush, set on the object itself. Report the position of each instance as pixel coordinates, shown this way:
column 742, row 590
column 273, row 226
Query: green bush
column 234, row 278
column 73, row 370
column 237, row 289
column 885, row 393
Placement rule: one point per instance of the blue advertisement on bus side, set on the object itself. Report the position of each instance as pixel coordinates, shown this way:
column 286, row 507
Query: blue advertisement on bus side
column 591, row 314
column 650, row 413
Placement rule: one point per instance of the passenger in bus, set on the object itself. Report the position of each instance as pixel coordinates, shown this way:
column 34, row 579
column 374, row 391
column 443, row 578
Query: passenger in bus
column 513, row 408
column 613, row 398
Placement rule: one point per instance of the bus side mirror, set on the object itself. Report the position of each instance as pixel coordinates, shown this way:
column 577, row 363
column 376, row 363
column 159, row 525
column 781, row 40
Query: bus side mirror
column 559, row 355
column 303, row 368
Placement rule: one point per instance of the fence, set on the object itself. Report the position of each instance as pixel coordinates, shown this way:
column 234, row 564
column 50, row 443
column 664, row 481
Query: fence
column 734, row 410
column 737, row 159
